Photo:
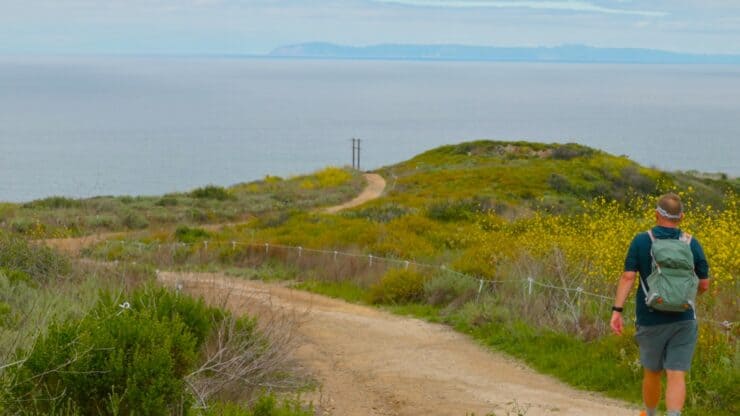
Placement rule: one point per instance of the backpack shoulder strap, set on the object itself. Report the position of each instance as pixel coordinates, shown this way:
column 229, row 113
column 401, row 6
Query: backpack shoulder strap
column 652, row 258
column 652, row 237
column 685, row 237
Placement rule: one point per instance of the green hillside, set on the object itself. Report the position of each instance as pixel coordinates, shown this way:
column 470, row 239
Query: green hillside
column 517, row 244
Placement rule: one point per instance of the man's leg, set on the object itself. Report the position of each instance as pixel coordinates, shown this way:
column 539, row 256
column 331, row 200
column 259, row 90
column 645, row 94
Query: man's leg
column 679, row 352
column 651, row 390
column 675, row 392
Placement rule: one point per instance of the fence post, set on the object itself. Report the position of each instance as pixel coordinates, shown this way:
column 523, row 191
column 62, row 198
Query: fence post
column 335, row 255
column 727, row 325
column 480, row 289
column 267, row 248
column 205, row 245
column 370, row 256
column 530, row 281
column 233, row 245
column 300, row 251
column 406, row 263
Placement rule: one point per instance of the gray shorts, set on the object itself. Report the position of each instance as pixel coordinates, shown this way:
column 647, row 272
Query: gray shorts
column 668, row 346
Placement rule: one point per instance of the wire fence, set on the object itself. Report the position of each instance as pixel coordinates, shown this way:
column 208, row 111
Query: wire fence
column 381, row 264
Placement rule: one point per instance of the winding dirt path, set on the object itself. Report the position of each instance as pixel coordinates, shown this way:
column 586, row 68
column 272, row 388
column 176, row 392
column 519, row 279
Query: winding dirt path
column 73, row 245
column 373, row 363
column 373, row 190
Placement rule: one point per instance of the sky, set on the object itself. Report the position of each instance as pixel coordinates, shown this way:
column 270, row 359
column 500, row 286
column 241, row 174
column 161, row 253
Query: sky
column 258, row 26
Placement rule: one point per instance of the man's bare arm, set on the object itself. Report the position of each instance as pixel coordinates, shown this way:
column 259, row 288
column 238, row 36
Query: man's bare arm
column 623, row 290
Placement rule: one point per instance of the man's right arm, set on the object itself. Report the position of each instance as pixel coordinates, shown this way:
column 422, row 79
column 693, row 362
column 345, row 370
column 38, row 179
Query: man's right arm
column 623, row 290
column 625, row 286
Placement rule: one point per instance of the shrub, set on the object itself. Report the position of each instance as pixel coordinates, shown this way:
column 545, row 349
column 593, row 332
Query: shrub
column 559, row 183
column 197, row 215
column 398, row 286
column 14, row 276
column 212, row 192
column 54, row 202
column 326, row 178
column 102, row 221
column 445, row 288
column 167, row 201
column 7, row 211
column 631, row 177
column 132, row 360
column 382, row 213
column 134, row 221
column 570, row 151
column 5, row 314
column 185, row 234
column 22, row 225
column 39, row 262
column 454, row 210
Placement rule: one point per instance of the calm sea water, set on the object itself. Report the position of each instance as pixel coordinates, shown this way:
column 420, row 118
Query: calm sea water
column 101, row 126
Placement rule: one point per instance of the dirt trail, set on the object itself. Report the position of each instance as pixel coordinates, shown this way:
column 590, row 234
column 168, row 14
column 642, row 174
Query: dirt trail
column 374, row 363
column 73, row 245
column 375, row 187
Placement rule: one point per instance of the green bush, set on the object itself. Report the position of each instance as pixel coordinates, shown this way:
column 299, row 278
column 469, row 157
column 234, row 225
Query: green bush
column 381, row 213
column 134, row 221
column 23, row 259
column 445, row 288
column 131, row 359
column 167, row 201
column 54, row 202
column 571, row 151
column 398, row 286
column 212, row 192
column 106, row 221
column 22, row 225
column 559, row 183
column 454, row 210
column 185, row 234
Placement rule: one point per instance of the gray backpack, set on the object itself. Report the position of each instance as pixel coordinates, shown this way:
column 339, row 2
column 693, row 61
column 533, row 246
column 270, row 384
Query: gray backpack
column 673, row 282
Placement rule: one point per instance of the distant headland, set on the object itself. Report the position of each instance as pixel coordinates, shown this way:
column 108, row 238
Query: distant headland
column 564, row 53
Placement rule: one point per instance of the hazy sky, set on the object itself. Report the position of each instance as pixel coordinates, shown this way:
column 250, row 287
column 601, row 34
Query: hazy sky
column 257, row 26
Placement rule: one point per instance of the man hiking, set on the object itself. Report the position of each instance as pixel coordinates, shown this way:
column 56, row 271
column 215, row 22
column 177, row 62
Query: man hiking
column 671, row 261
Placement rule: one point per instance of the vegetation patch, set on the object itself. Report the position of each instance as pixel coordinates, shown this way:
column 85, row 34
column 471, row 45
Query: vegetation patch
column 212, row 192
column 398, row 286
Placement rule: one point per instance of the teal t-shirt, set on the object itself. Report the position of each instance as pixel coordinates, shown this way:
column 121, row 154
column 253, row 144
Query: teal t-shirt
column 639, row 260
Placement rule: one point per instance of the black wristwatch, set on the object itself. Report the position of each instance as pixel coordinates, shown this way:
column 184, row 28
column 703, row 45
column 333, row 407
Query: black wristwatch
column 617, row 309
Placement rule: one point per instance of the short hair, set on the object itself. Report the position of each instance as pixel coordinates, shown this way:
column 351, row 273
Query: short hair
column 671, row 205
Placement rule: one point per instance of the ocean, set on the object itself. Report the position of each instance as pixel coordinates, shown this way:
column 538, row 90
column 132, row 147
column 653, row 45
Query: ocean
column 84, row 126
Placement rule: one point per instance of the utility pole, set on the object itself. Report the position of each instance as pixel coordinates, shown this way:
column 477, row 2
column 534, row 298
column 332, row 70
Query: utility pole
column 354, row 146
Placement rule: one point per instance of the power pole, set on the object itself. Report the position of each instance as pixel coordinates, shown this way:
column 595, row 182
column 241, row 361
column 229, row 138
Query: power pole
column 353, row 152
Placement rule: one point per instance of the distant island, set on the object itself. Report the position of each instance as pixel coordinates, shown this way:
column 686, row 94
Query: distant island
column 564, row 53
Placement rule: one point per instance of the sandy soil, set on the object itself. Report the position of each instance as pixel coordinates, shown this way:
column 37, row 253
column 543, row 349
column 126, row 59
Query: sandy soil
column 375, row 187
column 370, row 362
column 73, row 246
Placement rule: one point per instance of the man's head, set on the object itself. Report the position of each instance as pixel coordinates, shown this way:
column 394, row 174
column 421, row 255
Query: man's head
column 669, row 211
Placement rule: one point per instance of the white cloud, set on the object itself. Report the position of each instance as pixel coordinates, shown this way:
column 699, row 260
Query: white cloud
column 562, row 5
